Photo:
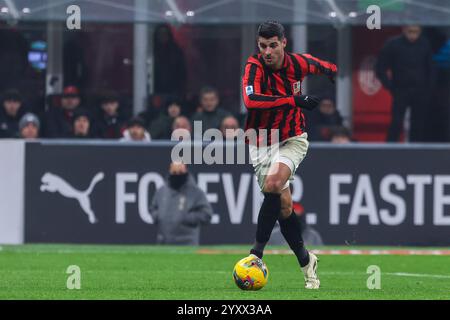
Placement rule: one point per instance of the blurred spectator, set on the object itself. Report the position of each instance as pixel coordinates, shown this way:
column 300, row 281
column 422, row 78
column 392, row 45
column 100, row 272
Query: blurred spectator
column 228, row 127
column 211, row 115
column 161, row 127
column 59, row 121
column 136, row 131
column 29, row 126
column 180, row 208
column 340, row 135
column 110, row 123
column 322, row 119
column 10, row 114
column 405, row 68
column 181, row 128
column 155, row 107
column 169, row 63
column 82, row 128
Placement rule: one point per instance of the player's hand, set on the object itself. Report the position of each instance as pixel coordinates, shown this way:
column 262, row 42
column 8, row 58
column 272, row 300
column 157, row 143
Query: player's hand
column 307, row 102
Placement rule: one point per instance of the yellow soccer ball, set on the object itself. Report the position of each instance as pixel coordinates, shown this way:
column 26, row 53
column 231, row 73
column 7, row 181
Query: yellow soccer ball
column 250, row 273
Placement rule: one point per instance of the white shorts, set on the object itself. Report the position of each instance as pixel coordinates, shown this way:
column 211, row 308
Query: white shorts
column 291, row 152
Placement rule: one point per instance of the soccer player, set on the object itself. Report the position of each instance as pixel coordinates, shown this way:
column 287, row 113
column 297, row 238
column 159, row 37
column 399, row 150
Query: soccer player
column 272, row 95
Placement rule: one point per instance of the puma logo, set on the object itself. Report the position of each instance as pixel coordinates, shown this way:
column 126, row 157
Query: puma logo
column 54, row 183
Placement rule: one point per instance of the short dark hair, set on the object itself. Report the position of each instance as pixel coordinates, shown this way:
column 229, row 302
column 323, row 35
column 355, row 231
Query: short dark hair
column 208, row 89
column 271, row 29
column 12, row 95
column 109, row 97
column 81, row 113
column 136, row 121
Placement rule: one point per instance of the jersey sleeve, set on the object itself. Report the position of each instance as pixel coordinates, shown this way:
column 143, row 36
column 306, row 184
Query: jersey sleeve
column 313, row 65
column 252, row 93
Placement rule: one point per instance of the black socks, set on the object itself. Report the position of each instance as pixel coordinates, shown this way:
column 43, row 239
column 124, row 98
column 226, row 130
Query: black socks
column 291, row 230
column 268, row 215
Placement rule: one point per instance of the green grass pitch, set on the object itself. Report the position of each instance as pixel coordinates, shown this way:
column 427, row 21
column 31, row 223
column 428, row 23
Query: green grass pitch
column 156, row 272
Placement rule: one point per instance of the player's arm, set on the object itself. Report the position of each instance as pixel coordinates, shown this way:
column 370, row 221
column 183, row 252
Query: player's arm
column 384, row 63
column 154, row 207
column 200, row 213
column 254, row 99
column 313, row 65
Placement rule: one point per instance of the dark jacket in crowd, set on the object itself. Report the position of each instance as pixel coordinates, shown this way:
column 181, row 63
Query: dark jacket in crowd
column 81, row 137
column 410, row 62
column 161, row 127
column 210, row 119
column 9, row 126
column 110, row 127
column 170, row 65
column 319, row 125
column 58, row 123
column 179, row 213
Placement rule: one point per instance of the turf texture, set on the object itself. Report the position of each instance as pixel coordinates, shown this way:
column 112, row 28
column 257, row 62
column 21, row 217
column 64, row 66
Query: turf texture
column 157, row 272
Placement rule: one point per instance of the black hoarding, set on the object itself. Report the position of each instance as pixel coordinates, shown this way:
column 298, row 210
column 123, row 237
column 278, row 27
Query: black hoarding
column 357, row 194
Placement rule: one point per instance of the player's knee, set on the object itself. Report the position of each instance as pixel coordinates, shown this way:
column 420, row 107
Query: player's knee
column 274, row 185
column 286, row 211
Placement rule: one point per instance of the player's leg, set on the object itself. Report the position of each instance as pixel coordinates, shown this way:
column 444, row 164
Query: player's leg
column 292, row 154
column 419, row 119
column 291, row 230
column 273, row 185
column 399, row 106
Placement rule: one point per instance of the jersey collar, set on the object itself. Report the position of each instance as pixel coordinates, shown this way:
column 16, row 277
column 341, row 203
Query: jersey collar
column 286, row 62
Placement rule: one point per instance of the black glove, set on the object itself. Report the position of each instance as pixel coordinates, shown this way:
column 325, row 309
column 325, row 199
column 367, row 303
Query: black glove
column 307, row 102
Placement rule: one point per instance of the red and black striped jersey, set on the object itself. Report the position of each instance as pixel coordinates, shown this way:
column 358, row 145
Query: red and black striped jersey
column 270, row 96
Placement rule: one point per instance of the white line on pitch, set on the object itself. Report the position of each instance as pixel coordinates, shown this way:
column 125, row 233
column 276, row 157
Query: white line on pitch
column 418, row 275
column 397, row 274
column 331, row 273
column 328, row 273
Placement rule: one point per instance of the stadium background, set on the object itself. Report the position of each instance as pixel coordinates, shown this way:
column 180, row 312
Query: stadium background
column 113, row 51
